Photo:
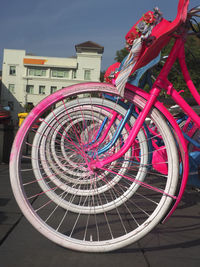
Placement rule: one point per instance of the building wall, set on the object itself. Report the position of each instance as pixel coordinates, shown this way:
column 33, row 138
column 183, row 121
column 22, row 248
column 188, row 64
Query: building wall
column 21, row 72
column 93, row 65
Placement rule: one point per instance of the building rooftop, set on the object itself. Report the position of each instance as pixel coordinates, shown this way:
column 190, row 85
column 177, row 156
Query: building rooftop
column 89, row 46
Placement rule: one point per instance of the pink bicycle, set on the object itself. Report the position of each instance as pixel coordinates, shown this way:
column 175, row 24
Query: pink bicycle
column 87, row 177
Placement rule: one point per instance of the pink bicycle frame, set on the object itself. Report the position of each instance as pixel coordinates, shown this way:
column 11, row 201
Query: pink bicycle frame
column 163, row 83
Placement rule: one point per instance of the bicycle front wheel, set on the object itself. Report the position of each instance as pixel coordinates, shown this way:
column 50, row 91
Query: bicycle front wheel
column 87, row 209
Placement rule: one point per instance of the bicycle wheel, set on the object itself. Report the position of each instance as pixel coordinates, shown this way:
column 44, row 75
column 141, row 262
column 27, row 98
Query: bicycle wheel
column 48, row 156
column 86, row 209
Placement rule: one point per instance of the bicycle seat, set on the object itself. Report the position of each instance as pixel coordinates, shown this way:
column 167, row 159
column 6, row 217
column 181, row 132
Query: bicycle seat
column 162, row 33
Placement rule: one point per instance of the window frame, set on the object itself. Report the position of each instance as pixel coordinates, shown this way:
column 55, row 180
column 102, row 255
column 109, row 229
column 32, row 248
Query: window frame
column 36, row 72
column 55, row 73
column 53, row 91
column 30, row 91
column 42, row 89
column 87, row 75
column 12, row 72
column 11, row 85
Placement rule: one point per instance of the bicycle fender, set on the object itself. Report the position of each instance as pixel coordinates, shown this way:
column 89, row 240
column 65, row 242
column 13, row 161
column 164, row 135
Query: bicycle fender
column 133, row 90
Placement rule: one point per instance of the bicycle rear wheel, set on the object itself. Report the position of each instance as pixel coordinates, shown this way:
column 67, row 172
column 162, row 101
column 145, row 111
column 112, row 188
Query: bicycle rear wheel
column 78, row 207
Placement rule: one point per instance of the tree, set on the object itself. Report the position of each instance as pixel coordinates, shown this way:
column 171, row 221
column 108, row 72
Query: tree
column 121, row 54
column 28, row 107
column 192, row 51
column 102, row 76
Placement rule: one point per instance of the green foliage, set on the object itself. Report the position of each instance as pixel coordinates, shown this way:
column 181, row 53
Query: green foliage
column 121, row 54
column 28, row 107
column 102, row 76
column 192, row 52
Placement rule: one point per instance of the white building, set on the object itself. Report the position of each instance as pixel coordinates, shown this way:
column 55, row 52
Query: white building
column 27, row 79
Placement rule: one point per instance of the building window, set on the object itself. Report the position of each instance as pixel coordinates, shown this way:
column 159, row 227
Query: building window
column 29, row 89
column 53, row 89
column 36, row 72
column 12, row 70
column 60, row 73
column 74, row 74
column 11, row 88
column 42, row 90
column 87, row 75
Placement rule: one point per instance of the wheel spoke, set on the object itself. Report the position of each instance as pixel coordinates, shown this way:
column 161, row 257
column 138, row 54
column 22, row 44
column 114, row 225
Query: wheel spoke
column 79, row 206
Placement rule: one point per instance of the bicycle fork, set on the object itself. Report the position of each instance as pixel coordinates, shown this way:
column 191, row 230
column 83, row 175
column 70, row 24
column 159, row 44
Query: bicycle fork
column 133, row 133
column 115, row 137
column 118, row 132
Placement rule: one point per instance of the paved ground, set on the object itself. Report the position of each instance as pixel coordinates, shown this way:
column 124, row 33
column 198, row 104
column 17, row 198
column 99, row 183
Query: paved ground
column 177, row 243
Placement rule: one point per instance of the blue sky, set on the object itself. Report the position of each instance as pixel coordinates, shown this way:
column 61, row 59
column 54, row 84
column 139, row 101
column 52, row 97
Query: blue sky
column 54, row 27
